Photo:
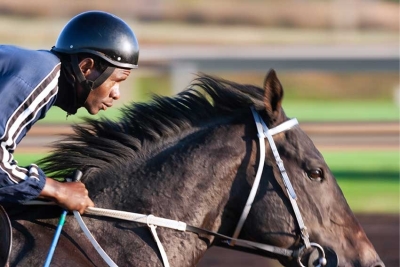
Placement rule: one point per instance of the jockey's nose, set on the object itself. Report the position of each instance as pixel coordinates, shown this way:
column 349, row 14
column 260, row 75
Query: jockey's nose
column 115, row 94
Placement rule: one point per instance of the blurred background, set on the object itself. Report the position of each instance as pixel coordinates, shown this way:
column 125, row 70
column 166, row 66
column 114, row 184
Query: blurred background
column 338, row 61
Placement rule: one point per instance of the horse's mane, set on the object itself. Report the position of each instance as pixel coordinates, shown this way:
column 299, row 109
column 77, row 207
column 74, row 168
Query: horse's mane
column 144, row 126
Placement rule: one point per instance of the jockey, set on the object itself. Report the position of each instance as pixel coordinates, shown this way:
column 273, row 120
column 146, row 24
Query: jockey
column 93, row 54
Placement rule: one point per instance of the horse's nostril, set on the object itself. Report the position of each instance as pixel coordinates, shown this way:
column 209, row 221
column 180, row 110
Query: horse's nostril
column 378, row 264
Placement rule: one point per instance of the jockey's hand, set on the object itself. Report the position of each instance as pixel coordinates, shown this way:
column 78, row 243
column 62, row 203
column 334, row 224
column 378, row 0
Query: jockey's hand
column 70, row 196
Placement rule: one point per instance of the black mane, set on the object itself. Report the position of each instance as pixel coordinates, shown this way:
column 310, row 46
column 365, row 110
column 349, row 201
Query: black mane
column 145, row 126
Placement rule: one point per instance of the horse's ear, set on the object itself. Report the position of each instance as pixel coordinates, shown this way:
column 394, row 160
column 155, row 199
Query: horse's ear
column 273, row 94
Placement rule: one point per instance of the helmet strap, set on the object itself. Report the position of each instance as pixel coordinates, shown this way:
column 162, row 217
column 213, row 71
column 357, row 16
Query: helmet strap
column 88, row 85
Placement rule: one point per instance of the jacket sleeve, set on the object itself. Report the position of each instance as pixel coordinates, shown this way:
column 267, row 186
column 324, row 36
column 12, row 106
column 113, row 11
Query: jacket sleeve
column 18, row 184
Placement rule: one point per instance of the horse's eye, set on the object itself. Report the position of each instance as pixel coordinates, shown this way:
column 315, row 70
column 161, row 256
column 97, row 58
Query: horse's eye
column 315, row 174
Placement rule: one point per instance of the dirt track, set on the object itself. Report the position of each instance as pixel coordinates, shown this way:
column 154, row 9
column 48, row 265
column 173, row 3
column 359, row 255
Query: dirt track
column 325, row 135
column 382, row 230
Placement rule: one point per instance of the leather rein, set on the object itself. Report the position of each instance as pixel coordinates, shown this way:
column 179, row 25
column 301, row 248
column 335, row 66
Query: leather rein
column 153, row 221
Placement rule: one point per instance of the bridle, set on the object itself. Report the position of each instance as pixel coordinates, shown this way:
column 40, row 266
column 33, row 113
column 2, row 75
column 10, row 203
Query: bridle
column 264, row 132
column 153, row 221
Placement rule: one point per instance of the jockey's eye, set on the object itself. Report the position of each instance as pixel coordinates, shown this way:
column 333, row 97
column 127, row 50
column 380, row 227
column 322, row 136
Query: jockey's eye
column 315, row 174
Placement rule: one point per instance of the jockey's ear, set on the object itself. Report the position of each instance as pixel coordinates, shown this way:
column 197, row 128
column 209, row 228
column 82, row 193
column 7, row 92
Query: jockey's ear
column 273, row 94
column 86, row 65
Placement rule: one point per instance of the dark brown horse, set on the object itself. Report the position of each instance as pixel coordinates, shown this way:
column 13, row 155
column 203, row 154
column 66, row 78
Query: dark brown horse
column 194, row 158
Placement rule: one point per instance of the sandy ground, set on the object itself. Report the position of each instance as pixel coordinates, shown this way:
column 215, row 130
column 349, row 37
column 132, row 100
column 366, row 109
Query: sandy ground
column 382, row 230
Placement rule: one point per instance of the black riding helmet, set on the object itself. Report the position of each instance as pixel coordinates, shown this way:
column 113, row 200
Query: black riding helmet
column 101, row 34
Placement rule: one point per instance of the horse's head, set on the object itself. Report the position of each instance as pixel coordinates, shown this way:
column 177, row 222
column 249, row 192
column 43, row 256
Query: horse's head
column 194, row 157
column 322, row 207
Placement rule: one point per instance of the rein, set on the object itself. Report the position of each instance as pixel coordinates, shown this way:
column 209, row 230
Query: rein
column 153, row 221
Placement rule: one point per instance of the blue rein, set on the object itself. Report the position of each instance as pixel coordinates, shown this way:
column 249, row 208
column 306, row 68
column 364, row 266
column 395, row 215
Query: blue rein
column 55, row 239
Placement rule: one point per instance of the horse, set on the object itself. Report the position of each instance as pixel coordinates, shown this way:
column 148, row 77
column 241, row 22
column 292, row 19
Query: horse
column 194, row 158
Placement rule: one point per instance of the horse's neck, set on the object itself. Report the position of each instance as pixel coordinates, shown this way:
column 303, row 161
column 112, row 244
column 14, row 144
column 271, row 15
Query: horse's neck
column 190, row 181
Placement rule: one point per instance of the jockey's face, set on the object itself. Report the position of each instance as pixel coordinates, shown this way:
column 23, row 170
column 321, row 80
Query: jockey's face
column 102, row 97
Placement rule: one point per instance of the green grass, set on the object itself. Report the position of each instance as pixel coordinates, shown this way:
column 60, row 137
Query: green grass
column 58, row 116
column 373, row 196
column 302, row 110
column 342, row 110
column 369, row 180
column 365, row 161
column 25, row 159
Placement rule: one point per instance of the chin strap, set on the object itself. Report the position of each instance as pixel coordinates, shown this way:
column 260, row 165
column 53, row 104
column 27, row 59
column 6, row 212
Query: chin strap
column 88, row 85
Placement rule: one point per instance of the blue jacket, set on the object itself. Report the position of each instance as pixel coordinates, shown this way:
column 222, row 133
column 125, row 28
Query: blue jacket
column 28, row 88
